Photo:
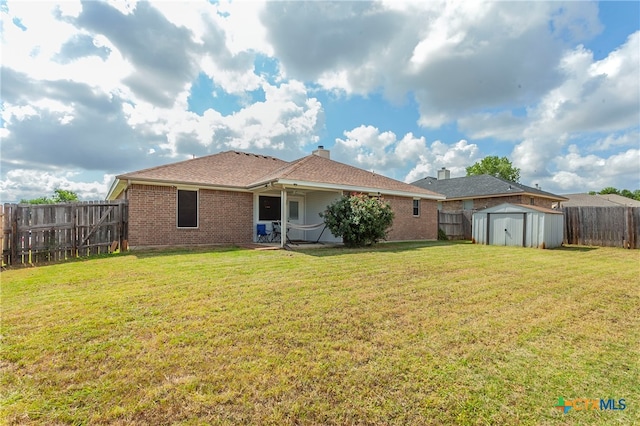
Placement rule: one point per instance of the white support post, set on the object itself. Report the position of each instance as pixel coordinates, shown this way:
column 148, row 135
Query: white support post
column 283, row 217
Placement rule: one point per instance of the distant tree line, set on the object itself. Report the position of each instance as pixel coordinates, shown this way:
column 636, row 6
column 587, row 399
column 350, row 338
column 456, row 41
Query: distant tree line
column 59, row 196
column 634, row 195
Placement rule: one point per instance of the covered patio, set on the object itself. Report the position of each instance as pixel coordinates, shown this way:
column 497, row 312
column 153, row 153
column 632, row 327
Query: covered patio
column 299, row 208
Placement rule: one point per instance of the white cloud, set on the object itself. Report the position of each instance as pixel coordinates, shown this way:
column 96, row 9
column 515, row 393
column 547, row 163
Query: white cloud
column 28, row 184
column 595, row 96
column 108, row 84
column 384, row 153
column 503, row 125
column 370, row 149
column 455, row 57
column 583, row 103
column 288, row 120
column 580, row 173
column 631, row 138
column 244, row 30
column 455, row 157
column 124, row 106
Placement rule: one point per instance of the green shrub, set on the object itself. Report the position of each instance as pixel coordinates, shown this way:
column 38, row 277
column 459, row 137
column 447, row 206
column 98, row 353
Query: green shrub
column 359, row 219
column 442, row 235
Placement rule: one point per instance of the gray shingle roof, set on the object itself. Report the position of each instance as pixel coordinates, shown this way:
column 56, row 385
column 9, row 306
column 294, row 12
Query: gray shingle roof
column 479, row 186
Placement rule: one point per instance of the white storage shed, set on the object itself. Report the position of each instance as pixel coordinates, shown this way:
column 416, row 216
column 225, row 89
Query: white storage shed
column 518, row 225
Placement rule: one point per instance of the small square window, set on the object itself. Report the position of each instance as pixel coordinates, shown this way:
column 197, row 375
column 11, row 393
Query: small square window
column 416, row 207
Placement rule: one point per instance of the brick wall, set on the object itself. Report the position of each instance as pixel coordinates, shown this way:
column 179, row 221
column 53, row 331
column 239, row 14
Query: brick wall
column 406, row 226
column 225, row 217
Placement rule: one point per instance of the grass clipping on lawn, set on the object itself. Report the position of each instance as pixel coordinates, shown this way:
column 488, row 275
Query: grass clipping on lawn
column 432, row 333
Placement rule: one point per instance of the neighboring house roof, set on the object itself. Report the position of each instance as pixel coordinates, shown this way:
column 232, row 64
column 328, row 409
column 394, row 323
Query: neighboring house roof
column 245, row 171
column 598, row 200
column 480, row 186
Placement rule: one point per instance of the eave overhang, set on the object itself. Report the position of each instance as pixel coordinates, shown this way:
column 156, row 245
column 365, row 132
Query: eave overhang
column 122, row 183
column 321, row 186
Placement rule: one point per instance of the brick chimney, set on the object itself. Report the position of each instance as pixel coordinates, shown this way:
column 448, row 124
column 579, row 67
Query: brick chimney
column 322, row 152
column 444, row 174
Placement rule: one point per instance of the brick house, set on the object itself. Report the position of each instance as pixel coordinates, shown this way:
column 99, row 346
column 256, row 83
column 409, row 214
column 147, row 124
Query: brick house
column 473, row 193
column 221, row 198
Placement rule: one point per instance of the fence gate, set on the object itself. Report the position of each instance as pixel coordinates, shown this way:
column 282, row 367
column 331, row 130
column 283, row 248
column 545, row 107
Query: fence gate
column 456, row 224
column 37, row 233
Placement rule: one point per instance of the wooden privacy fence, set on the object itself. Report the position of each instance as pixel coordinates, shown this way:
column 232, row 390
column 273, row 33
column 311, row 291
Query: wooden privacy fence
column 36, row 233
column 456, row 224
column 602, row 226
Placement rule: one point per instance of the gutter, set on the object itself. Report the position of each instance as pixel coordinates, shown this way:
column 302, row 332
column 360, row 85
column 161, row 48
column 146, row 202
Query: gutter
column 291, row 184
column 160, row 182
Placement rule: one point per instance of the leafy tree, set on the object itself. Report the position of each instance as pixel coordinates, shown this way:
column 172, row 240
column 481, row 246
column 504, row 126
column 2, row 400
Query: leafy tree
column 40, row 200
column 634, row 195
column 59, row 196
column 495, row 166
column 609, row 190
column 627, row 193
column 359, row 219
column 64, row 196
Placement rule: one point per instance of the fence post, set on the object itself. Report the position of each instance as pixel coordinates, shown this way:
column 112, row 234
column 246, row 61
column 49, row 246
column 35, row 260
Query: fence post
column 14, row 234
column 74, row 230
column 630, row 229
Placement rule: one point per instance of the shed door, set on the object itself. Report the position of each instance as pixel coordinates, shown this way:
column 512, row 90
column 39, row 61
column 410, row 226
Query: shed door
column 506, row 229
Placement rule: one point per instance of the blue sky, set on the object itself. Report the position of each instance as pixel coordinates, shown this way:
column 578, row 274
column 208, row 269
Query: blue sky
column 94, row 89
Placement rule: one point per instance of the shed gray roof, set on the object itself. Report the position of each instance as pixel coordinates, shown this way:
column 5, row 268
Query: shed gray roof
column 480, row 186
column 510, row 207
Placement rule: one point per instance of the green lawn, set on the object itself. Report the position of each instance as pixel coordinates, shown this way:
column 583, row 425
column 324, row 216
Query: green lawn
column 432, row 333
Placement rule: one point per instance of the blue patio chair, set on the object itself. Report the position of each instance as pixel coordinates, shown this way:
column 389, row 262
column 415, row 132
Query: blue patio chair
column 263, row 235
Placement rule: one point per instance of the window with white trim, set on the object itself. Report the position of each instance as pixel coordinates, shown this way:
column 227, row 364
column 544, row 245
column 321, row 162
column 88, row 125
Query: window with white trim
column 187, row 208
column 416, row 207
